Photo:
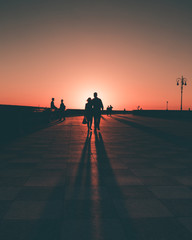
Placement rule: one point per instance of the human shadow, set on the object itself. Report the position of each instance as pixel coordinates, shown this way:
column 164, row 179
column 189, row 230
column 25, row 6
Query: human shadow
column 105, row 173
column 83, row 214
column 165, row 136
column 84, row 167
column 103, row 118
column 74, row 198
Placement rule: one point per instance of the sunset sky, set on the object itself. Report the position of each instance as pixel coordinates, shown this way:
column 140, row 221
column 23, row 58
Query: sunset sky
column 129, row 51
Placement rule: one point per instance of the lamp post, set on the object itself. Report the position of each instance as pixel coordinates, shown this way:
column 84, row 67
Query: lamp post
column 182, row 81
column 167, row 105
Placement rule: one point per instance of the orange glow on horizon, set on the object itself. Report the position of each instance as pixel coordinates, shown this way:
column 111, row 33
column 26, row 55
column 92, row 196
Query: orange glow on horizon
column 128, row 59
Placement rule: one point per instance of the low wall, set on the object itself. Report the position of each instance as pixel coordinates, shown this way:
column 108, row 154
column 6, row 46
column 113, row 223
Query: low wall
column 16, row 121
column 170, row 114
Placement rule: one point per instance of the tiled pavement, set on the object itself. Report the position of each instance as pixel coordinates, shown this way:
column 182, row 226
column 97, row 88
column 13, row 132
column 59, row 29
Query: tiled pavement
column 133, row 180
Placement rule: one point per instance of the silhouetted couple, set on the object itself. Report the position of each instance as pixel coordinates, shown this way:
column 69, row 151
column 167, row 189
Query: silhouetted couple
column 93, row 108
column 109, row 110
column 61, row 109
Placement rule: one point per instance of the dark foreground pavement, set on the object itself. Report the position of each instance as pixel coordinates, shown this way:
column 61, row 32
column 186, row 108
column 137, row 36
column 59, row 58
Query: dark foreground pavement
column 133, row 180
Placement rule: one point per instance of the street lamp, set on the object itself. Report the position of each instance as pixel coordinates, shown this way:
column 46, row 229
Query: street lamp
column 167, row 105
column 182, row 81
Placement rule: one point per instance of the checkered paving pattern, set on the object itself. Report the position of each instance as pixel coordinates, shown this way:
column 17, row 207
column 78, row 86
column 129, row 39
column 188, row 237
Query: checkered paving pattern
column 131, row 180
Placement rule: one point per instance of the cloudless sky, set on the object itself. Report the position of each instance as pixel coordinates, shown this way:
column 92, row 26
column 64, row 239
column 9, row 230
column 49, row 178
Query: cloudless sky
column 129, row 51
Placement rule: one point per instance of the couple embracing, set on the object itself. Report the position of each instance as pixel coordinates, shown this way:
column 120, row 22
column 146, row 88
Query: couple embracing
column 93, row 108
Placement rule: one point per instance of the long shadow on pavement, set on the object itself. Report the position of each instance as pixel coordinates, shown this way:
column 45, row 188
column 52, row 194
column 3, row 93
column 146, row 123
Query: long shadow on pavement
column 73, row 205
column 105, row 170
column 80, row 214
column 168, row 137
column 103, row 118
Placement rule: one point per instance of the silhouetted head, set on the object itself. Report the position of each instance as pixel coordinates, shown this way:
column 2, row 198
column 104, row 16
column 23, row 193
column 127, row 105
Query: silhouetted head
column 88, row 99
column 53, row 99
column 95, row 94
column 62, row 100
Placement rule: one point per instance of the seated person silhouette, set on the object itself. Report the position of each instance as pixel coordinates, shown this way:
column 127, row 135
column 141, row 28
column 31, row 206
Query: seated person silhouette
column 53, row 104
column 62, row 110
column 97, row 107
column 53, row 110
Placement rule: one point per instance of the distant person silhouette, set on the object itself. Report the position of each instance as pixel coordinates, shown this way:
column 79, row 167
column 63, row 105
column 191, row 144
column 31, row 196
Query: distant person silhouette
column 110, row 110
column 89, row 113
column 53, row 110
column 62, row 110
column 97, row 107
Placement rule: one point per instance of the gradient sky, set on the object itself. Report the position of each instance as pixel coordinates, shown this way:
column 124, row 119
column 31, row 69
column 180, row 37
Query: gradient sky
column 129, row 51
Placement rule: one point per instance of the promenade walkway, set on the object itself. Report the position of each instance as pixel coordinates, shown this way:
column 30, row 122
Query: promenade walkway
column 132, row 180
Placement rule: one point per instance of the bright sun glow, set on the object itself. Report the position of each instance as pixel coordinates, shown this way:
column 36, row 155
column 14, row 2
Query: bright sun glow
column 102, row 92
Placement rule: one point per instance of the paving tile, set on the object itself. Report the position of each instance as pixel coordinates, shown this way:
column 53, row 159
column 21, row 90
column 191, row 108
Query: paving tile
column 48, row 172
column 168, row 165
column 17, row 230
column 41, row 194
column 187, row 222
column 159, row 181
column 94, row 229
column 160, row 229
column 53, row 165
column 12, row 181
column 48, row 229
column 127, row 192
column 178, row 171
column 45, row 181
column 86, row 193
column 122, row 180
column 141, row 208
column 7, row 155
column 9, row 193
column 185, row 180
column 21, row 165
column 4, row 206
column 15, row 172
column 26, row 159
column 28, row 210
column 119, row 171
column 77, row 209
column 172, row 192
column 179, row 207
column 30, row 229
column 148, row 172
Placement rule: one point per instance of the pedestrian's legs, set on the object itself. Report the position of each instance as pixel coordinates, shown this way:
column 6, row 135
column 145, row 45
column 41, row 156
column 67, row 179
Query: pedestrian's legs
column 98, row 122
column 90, row 123
column 95, row 121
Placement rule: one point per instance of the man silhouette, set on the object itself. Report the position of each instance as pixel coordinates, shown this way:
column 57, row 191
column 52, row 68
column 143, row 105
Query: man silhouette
column 97, row 107
column 110, row 110
column 62, row 110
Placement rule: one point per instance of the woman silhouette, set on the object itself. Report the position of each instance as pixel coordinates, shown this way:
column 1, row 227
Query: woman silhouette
column 89, row 113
